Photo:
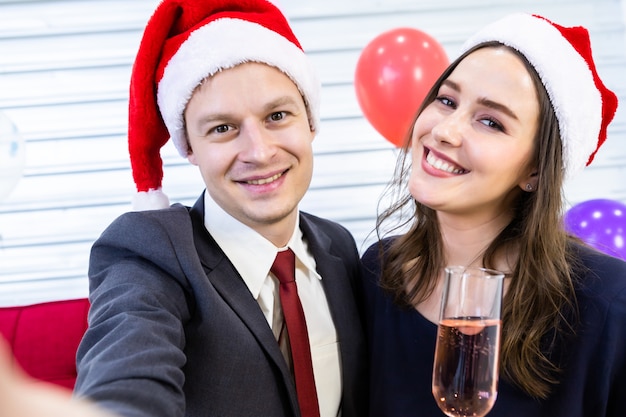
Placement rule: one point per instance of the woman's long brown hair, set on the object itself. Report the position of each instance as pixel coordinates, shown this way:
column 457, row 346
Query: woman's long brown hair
column 539, row 308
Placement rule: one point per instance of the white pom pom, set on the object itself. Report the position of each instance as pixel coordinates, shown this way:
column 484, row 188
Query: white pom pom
column 150, row 200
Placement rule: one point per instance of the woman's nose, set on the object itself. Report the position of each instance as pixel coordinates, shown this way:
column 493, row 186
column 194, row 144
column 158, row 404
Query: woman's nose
column 449, row 129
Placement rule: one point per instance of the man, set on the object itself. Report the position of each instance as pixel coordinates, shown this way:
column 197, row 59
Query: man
column 186, row 317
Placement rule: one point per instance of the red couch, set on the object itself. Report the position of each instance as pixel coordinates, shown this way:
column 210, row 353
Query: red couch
column 44, row 338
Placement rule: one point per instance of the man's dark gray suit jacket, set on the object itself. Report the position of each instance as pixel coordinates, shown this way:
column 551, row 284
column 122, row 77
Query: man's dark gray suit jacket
column 174, row 331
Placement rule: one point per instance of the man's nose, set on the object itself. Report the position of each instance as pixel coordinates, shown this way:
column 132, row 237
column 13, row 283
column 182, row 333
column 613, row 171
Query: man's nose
column 258, row 143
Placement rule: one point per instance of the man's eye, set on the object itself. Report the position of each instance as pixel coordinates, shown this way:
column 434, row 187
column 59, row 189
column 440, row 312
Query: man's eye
column 221, row 129
column 277, row 116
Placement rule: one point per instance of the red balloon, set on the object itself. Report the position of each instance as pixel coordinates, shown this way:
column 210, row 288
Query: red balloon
column 393, row 75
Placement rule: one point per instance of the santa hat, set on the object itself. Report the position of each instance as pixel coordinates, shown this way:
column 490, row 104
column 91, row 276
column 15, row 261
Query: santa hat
column 184, row 42
column 562, row 57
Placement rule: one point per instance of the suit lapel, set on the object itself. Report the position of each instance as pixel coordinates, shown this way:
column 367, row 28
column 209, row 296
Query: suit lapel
column 330, row 267
column 233, row 290
column 338, row 290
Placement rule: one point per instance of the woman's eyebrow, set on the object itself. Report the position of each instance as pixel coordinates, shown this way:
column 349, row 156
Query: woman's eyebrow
column 498, row 106
column 483, row 101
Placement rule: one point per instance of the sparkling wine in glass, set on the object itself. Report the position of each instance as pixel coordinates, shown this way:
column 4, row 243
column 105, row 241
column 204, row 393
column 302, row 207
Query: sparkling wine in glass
column 465, row 371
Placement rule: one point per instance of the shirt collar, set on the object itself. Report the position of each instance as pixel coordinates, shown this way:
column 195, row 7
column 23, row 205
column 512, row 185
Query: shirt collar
column 251, row 254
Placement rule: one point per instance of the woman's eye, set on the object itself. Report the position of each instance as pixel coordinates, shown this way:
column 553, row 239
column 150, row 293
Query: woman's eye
column 445, row 101
column 492, row 123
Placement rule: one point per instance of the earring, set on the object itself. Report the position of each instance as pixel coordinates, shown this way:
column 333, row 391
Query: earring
column 529, row 187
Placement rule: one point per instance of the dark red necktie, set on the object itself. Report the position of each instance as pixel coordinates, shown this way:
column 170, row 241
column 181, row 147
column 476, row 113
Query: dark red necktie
column 284, row 268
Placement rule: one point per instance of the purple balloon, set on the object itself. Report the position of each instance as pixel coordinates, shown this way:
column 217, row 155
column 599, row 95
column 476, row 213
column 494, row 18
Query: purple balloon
column 600, row 223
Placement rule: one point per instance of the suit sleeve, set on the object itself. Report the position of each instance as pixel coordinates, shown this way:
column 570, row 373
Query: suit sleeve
column 131, row 358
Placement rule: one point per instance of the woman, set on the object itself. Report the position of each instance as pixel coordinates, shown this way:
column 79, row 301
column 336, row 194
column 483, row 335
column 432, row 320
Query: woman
column 521, row 110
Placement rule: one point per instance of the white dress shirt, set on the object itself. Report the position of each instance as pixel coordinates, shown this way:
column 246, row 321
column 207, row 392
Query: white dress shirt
column 253, row 256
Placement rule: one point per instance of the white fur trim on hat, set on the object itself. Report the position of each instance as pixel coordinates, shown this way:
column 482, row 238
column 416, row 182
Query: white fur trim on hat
column 222, row 44
column 564, row 73
column 150, row 200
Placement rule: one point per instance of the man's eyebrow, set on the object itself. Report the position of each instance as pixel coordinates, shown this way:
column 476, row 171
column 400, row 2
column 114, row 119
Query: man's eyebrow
column 210, row 118
column 268, row 107
column 280, row 101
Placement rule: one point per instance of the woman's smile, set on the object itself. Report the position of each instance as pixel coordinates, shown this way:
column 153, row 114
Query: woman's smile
column 442, row 165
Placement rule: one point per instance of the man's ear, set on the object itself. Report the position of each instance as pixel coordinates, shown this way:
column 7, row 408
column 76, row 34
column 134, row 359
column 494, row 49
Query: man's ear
column 191, row 157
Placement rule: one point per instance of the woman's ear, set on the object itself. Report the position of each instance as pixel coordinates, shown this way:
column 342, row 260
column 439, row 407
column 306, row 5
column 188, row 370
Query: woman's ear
column 529, row 184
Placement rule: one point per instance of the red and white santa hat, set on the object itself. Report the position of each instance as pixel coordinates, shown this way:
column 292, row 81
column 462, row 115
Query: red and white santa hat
column 562, row 57
column 184, row 42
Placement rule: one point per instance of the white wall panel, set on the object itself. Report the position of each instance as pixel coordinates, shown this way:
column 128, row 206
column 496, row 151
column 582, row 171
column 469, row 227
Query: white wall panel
column 64, row 71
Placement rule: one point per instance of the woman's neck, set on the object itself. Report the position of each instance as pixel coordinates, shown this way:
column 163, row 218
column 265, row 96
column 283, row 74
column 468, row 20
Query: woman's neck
column 466, row 240
column 464, row 244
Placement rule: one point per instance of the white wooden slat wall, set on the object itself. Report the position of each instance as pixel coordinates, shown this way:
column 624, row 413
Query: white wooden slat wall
column 64, row 70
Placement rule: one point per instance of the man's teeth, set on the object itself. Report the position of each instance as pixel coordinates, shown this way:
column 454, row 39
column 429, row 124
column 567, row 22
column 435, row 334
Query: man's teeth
column 442, row 165
column 265, row 180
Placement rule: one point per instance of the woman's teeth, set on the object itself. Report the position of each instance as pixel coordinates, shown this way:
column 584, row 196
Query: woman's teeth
column 263, row 181
column 442, row 165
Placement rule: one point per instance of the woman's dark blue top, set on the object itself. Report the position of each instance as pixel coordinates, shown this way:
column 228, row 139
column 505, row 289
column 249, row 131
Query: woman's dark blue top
column 593, row 382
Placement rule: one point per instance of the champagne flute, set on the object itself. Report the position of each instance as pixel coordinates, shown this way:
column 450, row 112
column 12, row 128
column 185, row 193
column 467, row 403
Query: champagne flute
column 465, row 371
